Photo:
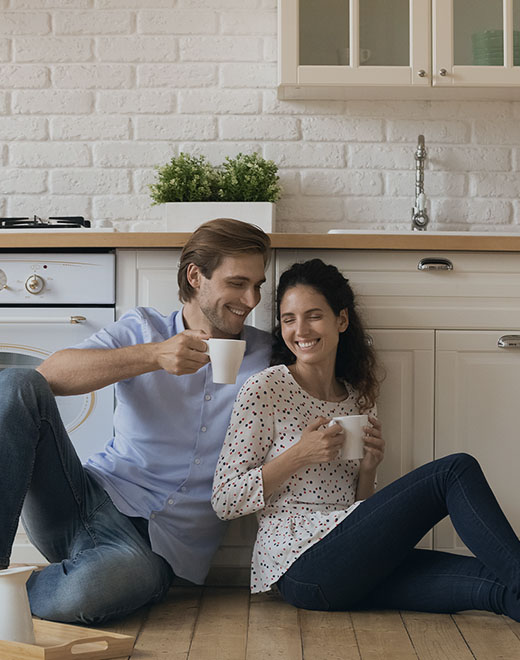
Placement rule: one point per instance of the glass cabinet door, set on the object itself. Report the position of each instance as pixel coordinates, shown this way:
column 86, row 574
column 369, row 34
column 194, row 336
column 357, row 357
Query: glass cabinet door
column 366, row 42
column 476, row 42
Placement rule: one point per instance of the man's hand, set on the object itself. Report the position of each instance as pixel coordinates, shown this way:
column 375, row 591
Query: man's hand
column 184, row 353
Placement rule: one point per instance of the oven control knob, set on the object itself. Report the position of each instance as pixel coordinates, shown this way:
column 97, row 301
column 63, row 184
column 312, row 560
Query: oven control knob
column 34, row 284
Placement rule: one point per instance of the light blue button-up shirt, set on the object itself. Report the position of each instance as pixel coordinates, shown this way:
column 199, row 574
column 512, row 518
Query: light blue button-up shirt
column 168, row 434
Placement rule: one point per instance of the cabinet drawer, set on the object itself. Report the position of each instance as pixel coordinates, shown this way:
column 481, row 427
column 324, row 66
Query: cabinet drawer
column 482, row 290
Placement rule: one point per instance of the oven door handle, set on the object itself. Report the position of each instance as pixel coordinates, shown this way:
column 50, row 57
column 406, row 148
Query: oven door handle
column 43, row 319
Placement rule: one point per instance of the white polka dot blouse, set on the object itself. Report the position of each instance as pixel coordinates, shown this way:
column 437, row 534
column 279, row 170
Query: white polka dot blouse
column 269, row 416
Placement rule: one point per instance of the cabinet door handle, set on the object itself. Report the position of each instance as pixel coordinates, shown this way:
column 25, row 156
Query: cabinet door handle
column 443, row 72
column 421, row 73
column 509, row 341
column 434, row 263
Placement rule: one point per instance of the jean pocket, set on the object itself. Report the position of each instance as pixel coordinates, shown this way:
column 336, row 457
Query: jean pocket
column 306, row 595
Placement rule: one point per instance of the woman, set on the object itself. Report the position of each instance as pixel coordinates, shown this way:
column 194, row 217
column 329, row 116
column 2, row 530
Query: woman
column 325, row 538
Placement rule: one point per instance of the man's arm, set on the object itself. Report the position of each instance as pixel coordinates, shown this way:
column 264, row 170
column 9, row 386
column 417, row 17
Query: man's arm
column 77, row 371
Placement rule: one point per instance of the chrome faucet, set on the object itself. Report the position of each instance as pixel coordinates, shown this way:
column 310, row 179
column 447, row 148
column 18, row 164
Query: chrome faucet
column 420, row 217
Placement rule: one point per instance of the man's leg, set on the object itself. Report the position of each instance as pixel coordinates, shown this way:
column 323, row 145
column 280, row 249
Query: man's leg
column 98, row 556
column 110, row 571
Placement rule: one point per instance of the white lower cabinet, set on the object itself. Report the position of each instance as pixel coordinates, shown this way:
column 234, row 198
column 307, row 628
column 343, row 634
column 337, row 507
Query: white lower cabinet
column 448, row 386
column 476, row 398
column 406, row 402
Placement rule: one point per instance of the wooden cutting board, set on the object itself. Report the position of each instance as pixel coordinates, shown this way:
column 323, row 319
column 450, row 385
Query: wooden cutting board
column 59, row 641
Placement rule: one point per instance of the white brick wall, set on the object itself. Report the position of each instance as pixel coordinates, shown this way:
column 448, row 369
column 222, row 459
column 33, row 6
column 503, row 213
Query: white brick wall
column 94, row 93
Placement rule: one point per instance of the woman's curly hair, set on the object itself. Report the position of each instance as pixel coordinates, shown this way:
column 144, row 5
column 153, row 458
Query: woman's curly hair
column 355, row 358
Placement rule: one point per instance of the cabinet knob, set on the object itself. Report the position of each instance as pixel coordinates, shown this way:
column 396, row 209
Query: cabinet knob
column 434, row 263
column 509, row 341
column 421, row 73
column 443, row 72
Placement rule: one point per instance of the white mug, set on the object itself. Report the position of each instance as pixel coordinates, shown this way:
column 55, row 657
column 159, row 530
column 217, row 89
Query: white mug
column 226, row 357
column 353, row 444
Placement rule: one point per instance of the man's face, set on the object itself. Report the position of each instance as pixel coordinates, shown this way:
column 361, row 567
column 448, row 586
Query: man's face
column 231, row 293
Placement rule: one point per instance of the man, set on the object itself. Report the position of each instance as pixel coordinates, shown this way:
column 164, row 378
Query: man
column 120, row 528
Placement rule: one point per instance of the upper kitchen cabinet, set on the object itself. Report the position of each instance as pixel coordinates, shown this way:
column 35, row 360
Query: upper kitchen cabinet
column 476, row 42
column 423, row 49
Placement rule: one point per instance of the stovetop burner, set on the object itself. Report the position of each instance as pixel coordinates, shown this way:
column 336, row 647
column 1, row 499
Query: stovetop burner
column 36, row 222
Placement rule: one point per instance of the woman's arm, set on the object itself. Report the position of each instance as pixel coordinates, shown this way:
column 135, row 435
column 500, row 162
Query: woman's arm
column 243, row 480
column 237, row 484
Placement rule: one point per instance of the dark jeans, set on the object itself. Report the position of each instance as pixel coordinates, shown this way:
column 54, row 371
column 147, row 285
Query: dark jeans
column 102, row 565
column 369, row 562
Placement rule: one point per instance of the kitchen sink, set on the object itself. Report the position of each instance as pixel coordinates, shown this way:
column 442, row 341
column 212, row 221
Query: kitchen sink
column 409, row 232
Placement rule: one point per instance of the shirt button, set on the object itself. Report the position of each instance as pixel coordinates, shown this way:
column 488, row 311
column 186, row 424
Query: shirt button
column 208, row 397
column 152, row 516
column 203, row 429
column 184, row 489
column 197, row 461
column 170, row 501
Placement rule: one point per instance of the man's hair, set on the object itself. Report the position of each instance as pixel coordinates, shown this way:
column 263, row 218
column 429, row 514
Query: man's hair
column 212, row 242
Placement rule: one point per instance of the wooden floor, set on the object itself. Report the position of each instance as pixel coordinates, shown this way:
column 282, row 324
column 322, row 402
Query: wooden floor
column 228, row 624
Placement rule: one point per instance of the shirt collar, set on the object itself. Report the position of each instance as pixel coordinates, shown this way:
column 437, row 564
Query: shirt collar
column 179, row 322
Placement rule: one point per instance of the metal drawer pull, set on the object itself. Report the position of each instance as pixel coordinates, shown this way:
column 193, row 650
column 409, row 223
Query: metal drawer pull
column 434, row 263
column 509, row 341
column 43, row 319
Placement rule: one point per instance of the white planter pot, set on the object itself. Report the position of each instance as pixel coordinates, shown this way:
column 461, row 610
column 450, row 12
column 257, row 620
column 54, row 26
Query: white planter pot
column 187, row 216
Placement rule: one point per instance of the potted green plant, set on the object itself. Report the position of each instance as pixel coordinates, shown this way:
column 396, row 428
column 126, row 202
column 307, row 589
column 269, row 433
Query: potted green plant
column 193, row 191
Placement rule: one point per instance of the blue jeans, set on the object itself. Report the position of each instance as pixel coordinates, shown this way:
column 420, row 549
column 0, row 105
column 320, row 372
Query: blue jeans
column 369, row 561
column 102, row 565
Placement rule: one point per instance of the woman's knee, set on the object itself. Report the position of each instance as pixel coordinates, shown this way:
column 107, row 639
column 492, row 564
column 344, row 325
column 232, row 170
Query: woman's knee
column 461, row 461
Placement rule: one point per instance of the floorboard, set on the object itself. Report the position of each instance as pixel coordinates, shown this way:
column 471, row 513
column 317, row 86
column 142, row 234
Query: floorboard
column 435, row 636
column 219, row 623
column 221, row 630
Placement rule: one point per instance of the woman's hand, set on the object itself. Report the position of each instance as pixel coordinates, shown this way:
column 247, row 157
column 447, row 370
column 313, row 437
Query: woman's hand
column 319, row 443
column 374, row 445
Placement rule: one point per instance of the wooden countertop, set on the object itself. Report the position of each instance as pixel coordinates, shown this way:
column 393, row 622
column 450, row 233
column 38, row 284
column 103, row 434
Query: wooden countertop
column 368, row 241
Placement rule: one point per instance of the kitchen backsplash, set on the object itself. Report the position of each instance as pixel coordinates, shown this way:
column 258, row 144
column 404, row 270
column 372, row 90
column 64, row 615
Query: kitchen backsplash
column 94, row 93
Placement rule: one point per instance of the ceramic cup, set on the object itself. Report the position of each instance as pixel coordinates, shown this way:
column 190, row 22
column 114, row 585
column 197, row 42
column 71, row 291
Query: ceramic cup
column 353, row 444
column 226, row 357
column 15, row 614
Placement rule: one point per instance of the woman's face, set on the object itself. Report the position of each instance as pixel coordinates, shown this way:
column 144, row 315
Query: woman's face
column 309, row 327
